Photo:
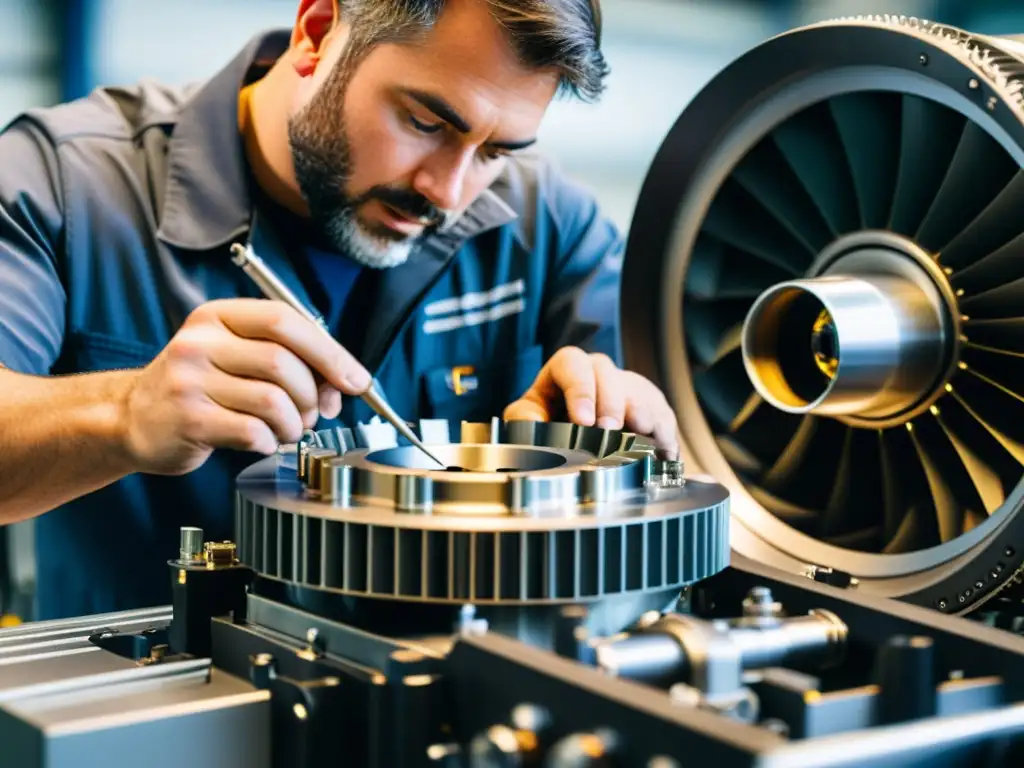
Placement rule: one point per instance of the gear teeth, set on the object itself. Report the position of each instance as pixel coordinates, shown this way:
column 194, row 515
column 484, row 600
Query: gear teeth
column 1003, row 73
column 382, row 550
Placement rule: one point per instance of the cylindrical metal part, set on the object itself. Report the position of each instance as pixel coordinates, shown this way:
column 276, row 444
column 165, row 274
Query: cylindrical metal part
column 659, row 655
column 654, row 658
column 191, row 545
column 818, row 639
column 869, row 345
column 905, row 670
column 316, row 459
column 335, row 481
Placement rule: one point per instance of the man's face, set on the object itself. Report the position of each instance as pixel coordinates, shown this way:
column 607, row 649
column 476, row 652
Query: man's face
column 392, row 144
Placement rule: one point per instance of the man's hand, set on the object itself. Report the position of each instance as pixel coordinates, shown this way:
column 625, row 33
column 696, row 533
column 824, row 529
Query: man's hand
column 245, row 374
column 590, row 390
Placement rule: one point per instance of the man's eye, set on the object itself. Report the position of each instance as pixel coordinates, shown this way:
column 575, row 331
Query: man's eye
column 424, row 127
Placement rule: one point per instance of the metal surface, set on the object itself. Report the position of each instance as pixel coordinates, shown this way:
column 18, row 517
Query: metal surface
column 911, row 486
column 864, row 339
column 711, row 656
column 51, row 641
column 318, row 685
column 567, row 514
column 113, row 712
column 825, row 717
column 191, row 547
column 273, row 288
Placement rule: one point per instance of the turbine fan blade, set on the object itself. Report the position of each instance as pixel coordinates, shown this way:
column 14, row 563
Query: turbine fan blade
column 811, row 145
column 766, row 175
column 893, row 506
column 1006, row 334
column 796, row 476
column 801, row 518
column 708, row 322
column 997, row 303
column 954, row 490
column 857, row 496
column 929, row 138
column 909, row 483
column 910, row 533
column 867, row 122
column 993, row 228
column 738, row 219
column 763, row 430
column 742, row 461
column 794, row 453
column 723, row 388
column 990, row 469
column 997, row 268
column 1004, row 368
column 719, row 271
column 978, row 171
column 1001, row 413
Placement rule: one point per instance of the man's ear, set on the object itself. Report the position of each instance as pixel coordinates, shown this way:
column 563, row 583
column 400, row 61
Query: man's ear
column 316, row 19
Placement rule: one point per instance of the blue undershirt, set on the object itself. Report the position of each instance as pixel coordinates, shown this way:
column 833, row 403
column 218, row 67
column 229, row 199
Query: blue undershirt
column 336, row 275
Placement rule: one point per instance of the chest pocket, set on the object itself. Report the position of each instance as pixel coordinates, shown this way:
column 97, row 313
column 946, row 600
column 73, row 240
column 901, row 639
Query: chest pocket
column 87, row 351
column 479, row 392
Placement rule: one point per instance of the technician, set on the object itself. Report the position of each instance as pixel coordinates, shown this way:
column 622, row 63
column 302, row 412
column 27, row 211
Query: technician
column 376, row 157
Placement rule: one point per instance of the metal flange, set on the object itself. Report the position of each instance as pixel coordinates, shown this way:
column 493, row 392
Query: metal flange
column 526, row 513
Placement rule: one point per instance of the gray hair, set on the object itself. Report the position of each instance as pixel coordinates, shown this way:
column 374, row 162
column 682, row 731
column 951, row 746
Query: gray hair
column 546, row 34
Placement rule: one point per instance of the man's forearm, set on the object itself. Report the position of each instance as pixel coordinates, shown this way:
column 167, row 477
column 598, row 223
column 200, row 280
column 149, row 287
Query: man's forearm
column 60, row 438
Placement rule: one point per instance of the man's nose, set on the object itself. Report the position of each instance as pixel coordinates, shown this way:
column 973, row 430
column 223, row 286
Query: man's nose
column 442, row 178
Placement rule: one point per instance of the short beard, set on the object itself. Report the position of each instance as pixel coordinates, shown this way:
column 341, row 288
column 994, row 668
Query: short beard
column 322, row 156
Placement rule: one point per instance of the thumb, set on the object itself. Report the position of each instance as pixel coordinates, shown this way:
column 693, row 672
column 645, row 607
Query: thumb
column 526, row 410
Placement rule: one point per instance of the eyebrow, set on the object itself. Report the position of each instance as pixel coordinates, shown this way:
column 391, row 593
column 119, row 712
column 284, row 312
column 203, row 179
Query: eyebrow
column 447, row 112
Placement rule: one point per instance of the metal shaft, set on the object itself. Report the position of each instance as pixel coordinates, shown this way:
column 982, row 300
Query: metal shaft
column 868, row 345
column 685, row 648
column 274, row 288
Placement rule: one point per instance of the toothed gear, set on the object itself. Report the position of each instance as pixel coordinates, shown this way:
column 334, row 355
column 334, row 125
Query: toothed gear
column 582, row 514
column 1003, row 72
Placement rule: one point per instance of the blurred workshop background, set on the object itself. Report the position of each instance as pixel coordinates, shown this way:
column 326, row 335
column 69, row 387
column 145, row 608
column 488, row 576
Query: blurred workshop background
column 661, row 53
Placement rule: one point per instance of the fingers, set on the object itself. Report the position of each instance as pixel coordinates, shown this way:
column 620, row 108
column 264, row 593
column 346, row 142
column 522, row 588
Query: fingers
column 330, row 401
column 223, row 428
column 261, row 399
column 591, row 389
column 566, row 382
column 525, row 410
column 264, row 360
column 277, row 322
column 649, row 414
column 611, row 392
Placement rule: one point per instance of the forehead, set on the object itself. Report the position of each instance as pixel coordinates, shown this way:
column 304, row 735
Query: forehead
column 467, row 60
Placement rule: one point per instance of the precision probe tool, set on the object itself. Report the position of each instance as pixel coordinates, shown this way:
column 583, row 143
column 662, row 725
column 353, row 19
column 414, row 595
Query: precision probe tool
column 273, row 288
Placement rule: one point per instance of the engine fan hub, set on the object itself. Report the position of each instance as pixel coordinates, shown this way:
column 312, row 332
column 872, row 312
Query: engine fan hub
column 868, row 337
